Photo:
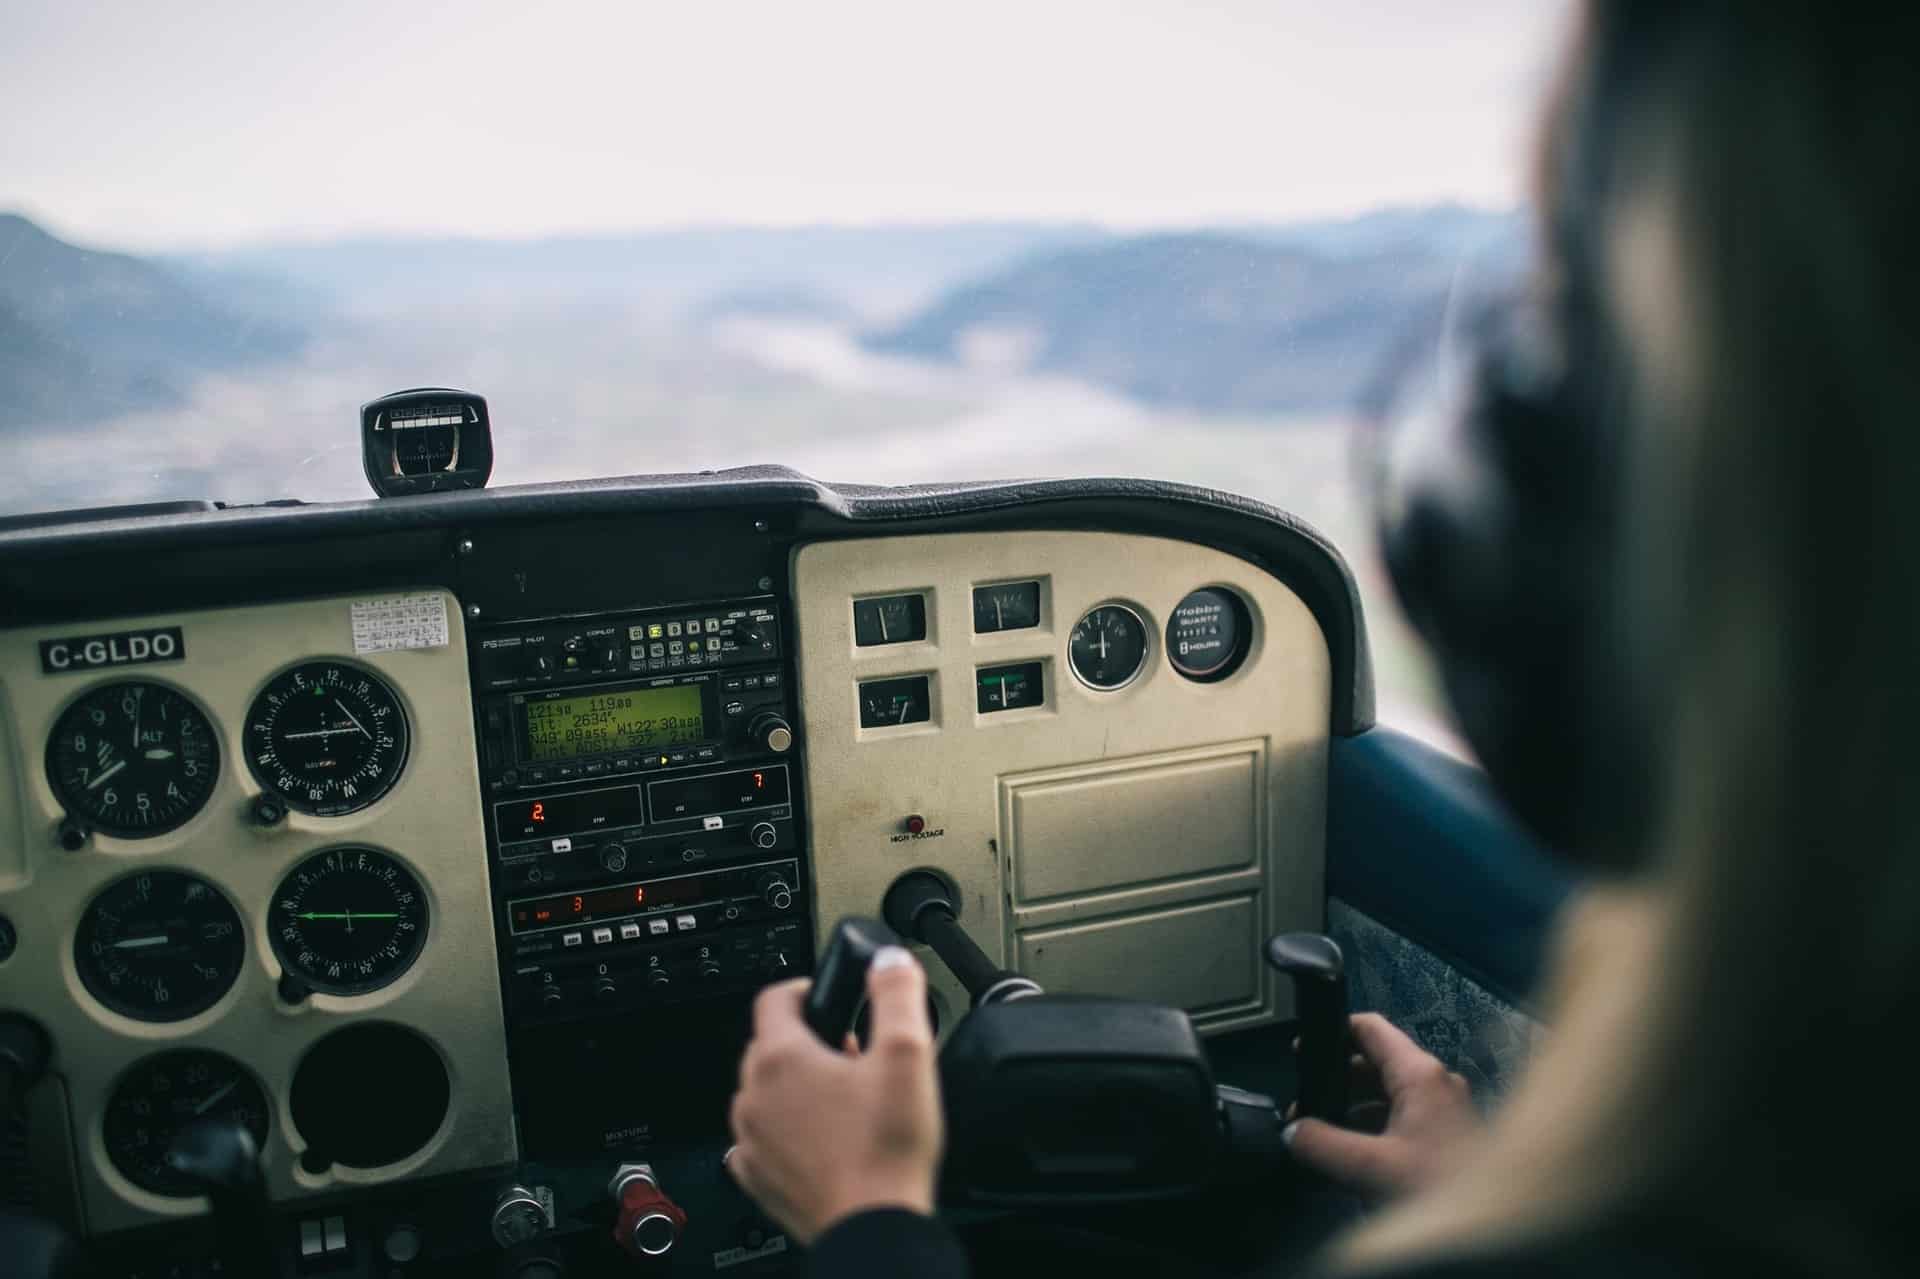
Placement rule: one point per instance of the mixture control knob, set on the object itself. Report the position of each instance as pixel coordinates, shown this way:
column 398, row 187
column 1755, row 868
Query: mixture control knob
column 649, row 1223
column 764, row 835
column 772, row 733
column 614, row 858
column 775, row 890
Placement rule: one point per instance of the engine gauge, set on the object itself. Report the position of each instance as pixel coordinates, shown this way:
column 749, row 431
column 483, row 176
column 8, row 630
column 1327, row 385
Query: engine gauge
column 159, row 945
column 890, row 619
column 327, row 737
column 133, row 759
column 348, row 921
column 1008, row 688
column 1108, row 647
column 1010, row 606
column 886, row 703
column 164, row 1093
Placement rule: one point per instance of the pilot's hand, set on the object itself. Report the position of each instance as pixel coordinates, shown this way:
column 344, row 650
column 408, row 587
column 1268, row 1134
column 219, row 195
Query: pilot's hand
column 1429, row 1116
column 821, row 1135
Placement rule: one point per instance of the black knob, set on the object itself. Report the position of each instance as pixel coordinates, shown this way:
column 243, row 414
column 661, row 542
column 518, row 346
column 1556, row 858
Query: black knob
column 269, row 811
column 775, row 890
column 604, row 989
column 1319, row 976
column 772, row 733
column 658, row 977
column 552, row 995
column 538, row 663
column 72, row 835
column 614, row 857
column 709, row 968
column 764, row 835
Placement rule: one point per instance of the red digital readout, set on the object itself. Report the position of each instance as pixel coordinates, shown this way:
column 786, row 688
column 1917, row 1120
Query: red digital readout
column 539, row 813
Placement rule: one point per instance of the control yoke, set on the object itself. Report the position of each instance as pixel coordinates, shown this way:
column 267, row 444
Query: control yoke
column 1062, row 1100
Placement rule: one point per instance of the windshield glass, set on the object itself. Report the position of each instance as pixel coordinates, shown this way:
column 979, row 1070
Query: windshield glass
column 876, row 242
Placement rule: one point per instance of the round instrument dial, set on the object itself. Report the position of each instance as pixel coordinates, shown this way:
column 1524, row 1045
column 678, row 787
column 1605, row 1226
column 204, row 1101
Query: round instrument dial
column 327, row 737
column 159, row 945
column 348, row 921
column 164, row 1093
column 1108, row 647
column 133, row 759
column 1208, row 634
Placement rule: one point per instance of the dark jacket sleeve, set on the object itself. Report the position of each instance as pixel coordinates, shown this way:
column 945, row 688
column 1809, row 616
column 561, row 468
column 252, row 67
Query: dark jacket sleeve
column 883, row 1243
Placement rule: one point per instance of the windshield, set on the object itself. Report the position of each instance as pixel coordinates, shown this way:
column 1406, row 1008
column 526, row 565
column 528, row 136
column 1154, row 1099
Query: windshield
column 877, row 242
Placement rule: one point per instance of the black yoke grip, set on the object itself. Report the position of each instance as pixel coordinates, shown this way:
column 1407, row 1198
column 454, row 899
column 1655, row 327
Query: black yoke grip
column 840, row 980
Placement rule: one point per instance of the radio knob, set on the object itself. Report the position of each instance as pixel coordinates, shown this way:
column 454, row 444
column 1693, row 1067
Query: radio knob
column 551, row 996
column 658, row 977
column 763, row 835
column 709, row 968
column 772, row 733
column 614, row 858
column 775, row 890
column 604, row 989
column 538, row 663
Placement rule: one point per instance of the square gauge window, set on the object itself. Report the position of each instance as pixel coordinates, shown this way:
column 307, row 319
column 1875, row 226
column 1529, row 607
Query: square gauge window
column 1006, row 606
column 889, row 619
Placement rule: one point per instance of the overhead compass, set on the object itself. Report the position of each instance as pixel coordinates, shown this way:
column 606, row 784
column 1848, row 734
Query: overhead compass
column 327, row 737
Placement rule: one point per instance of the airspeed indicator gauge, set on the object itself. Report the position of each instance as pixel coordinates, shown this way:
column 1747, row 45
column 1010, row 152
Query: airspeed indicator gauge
column 1108, row 647
column 327, row 737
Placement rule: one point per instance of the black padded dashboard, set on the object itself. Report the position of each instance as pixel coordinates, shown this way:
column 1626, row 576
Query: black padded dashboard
column 586, row 545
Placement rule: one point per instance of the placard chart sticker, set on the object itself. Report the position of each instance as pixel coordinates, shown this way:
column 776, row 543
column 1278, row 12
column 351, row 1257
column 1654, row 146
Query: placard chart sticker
column 402, row 621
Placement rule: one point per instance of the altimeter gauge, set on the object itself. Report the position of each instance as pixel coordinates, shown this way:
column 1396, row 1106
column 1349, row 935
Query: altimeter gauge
column 133, row 759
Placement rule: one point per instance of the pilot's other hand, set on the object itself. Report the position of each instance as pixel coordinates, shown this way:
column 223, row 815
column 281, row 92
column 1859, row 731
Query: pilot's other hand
column 1430, row 1115
column 821, row 1135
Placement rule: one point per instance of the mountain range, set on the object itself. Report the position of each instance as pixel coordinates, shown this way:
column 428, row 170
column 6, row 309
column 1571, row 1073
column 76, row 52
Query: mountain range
column 1258, row 319
column 86, row 333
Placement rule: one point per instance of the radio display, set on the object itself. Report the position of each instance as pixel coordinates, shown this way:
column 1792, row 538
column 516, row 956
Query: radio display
column 606, row 903
column 718, row 793
column 592, row 810
column 608, row 720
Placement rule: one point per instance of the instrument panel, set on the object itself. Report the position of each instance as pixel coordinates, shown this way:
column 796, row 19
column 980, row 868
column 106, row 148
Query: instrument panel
column 231, row 855
column 436, row 886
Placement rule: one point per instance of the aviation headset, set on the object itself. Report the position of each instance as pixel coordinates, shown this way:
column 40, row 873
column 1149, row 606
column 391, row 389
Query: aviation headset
column 1499, row 498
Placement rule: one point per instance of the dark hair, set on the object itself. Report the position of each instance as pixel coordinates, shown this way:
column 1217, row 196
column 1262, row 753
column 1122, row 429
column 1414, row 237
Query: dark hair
column 1739, row 187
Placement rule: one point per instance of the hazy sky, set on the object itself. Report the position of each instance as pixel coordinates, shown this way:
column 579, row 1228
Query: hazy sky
column 216, row 121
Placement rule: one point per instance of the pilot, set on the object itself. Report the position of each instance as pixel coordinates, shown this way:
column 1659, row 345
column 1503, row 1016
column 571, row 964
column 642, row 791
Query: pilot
column 1729, row 203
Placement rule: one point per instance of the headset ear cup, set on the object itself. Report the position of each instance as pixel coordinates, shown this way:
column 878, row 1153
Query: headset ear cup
column 1477, row 532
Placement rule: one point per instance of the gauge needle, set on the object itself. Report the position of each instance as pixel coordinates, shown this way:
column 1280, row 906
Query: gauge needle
column 117, row 766
column 320, row 732
column 349, row 714
column 138, row 943
column 883, row 627
column 999, row 619
column 214, row 1100
column 906, row 704
column 1103, row 646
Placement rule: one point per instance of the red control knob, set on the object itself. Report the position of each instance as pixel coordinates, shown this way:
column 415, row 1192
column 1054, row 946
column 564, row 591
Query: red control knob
column 649, row 1223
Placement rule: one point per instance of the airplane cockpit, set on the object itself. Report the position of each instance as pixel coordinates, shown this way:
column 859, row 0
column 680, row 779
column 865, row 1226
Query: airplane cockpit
column 521, row 534
column 387, row 883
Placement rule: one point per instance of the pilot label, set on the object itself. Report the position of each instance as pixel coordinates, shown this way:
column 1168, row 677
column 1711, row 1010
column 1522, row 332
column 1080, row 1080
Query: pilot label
column 119, row 648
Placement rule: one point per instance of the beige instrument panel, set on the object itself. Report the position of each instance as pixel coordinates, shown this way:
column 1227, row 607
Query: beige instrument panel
column 430, row 821
column 1141, row 842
